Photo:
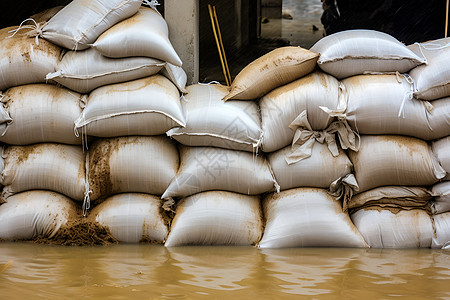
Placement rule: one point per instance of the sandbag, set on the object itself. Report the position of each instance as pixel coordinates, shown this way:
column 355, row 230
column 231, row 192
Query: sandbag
column 441, row 148
column 441, row 193
column 131, row 165
column 382, row 228
column 318, row 170
column 274, row 69
column 307, row 217
column 147, row 106
column 132, row 218
column 383, row 104
column 283, row 105
column 46, row 166
column 83, row 71
column 433, row 79
column 144, row 34
column 38, row 113
column 442, row 226
column 394, row 160
column 22, row 61
column 352, row 52
column 176, row 74
column 391, row 196
column 208, row 168
column 212, row 122
column 81, row 22
column 216, row 218
column 34, row 214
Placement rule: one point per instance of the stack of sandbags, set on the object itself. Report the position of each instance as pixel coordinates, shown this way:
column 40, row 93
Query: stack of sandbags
column 440, row 207
column 432, row 82
column 44, row 164
column 124, row 96
column 138, row 46
column 221, row 173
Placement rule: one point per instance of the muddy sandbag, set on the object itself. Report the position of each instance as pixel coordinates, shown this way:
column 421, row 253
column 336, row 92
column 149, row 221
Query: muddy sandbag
column 394, row 160
column 283, row 105
column 442, row 227
column 307, row 217
column 441, row 148
column 433, row 79
column 45, row 166
column 146, row 106
column 83, row 71
column 213, row 122
column 274, row 69
column 384, row 104
column 383, row 228
column 35, row 213
column 216, row 218
column 134, row 164
column 38, row 113
column 144, row 34
column 391, row 196
column 132, row 218
column 441, row 193
column 22, row 61
column 318, row 170
column 176, row 74
column 81, row 22
column 209, row 168
column 352, row 52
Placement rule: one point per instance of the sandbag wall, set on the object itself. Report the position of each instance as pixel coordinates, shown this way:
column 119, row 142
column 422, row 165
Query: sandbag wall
column 83, row 121
column 336, row 146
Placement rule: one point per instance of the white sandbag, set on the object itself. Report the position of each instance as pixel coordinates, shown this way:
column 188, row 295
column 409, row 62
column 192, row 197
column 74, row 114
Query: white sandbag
column 35, row 213
column 208, row 168
column 433, row 79
column 216, row 218
column 307, row 217
column 283, row 105
column 441, row 193
column 382, row 228
column 144, row 34
column 442, row 227
column 83, row 71
column 394, row 160
column 39, row 113
column 46, row 166
column 147, row 106
column 176, row 74
column 132, row 217
column 131, row 165
column 392, row 196
column 318, row 170
column 383, row 104
column 22, row 61
column 441, row 148
column 213, row 122
column 274, row 69
column 81, row 22
column 360, row 51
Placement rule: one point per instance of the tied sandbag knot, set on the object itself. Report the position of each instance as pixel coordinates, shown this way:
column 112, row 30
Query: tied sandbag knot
column 5, row 118
column 343, row 189
column 151, row 3
column 36, row 30
column 305, row 137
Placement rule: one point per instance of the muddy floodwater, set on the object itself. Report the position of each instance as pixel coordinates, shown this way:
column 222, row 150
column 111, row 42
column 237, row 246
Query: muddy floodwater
column 29, row 271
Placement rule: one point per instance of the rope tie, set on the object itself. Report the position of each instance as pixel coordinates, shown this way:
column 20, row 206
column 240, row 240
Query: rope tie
column 36, row 30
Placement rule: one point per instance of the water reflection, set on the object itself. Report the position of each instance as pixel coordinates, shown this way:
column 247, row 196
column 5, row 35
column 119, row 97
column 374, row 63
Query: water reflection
column 156, row 272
